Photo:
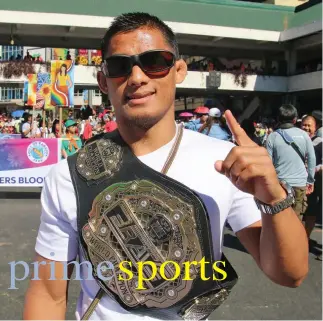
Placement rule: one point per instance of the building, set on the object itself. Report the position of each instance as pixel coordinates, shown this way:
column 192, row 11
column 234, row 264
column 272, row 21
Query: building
column 267, row 54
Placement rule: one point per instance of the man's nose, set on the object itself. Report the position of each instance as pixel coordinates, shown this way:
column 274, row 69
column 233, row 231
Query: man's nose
column 137, row 77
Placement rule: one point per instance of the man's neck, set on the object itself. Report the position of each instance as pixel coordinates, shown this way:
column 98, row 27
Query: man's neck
column 142, row 141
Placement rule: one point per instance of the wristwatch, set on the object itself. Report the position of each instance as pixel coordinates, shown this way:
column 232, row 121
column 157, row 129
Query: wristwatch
column 280, row 206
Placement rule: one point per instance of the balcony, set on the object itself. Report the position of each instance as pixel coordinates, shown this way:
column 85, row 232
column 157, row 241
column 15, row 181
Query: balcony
column 308, row 81
column 85, row 76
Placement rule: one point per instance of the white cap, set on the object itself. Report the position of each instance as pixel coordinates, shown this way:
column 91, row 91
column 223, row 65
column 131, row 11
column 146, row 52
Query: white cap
column 215, row 112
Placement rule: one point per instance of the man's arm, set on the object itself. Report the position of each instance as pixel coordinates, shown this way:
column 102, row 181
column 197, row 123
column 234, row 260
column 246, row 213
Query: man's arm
column 277, row 242
column 270, row 146
column 56, row 244
column 26, row 131
column 47, row 299
column 279, row 245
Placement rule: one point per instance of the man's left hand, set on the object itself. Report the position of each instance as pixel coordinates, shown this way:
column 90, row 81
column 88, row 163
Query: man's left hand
column 249, row 167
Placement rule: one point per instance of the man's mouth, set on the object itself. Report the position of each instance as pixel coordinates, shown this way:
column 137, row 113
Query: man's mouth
column 139, row 98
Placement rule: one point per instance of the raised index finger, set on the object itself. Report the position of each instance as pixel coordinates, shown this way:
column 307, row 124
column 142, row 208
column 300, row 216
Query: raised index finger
column 239, row 134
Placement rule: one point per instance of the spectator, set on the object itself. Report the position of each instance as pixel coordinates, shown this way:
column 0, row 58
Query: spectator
column 288, row 148
column 55, row 130
column 87, row 134
column 309, row 125
column 71, row 143
column 110, row 124
column 213, row 126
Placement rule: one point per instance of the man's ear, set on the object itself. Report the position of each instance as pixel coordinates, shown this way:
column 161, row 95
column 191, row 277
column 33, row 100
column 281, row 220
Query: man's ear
column 181, row 71
column 102, row 82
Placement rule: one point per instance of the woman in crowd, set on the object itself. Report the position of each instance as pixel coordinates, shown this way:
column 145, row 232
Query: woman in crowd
column 55, row 130
column 215, row 126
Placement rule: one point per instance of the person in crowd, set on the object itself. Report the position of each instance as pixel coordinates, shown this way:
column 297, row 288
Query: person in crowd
column 70, row 114
column 87, row 133
column 293, row 156
column 68, row 55
column 29, row 128
column 317, row 114
column 71, row 143
column 202, row 114
column 260, row 132
column 214, row 127
column 309, row 125
column 55, row 132
column 314, row 209
column 86, row 201
column 248, row 126
column 110, row 124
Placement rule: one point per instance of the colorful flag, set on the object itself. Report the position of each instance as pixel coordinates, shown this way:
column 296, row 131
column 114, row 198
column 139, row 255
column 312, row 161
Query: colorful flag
column 43, row 95
column 62, row 80
column 32, row 89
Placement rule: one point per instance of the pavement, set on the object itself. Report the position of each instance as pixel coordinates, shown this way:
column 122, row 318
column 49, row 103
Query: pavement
column 253, row 298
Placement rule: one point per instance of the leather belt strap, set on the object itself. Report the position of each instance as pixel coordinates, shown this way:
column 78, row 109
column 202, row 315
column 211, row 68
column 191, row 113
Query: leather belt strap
column 166, row 167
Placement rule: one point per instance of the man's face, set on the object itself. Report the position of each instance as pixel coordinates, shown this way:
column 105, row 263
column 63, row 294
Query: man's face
column 72, row 129
column 309, row 126
column 140, row 99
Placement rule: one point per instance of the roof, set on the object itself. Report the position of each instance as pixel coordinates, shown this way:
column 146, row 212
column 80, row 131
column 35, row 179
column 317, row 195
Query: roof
column 229, row 13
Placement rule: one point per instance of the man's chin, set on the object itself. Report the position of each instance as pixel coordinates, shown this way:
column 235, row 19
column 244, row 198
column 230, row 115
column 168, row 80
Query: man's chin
column 141, row 120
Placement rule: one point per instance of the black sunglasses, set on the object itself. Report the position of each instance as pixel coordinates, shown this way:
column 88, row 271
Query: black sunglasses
column 151, row 62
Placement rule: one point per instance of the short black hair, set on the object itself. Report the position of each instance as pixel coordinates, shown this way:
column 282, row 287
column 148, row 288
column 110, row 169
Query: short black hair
column 134, row 20
column 287, row 113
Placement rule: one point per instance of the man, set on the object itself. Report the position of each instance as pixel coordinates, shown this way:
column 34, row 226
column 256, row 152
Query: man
column 149, row 142
column 71, row 143
column 28, row 129
column 309, row 125
column 312, row 125
column 292, row 153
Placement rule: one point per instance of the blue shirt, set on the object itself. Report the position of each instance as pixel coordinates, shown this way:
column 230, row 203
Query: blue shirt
column 288, row 164
column 193, row 125
column 217, row 132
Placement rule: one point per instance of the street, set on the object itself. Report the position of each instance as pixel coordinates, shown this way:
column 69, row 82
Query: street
column 253, row 298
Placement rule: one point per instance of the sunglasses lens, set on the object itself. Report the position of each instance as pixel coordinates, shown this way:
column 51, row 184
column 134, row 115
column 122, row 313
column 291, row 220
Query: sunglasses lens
column 157, row 61
column 118, row 66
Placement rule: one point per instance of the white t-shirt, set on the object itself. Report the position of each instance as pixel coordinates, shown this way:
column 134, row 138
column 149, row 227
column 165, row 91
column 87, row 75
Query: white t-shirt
column 193, row 166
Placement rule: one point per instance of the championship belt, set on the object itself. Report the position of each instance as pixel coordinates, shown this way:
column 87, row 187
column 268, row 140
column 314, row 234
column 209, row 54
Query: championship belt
column 147, row 236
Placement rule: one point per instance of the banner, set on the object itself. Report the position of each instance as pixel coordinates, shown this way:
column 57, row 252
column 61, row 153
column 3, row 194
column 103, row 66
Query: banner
column 96, row 57
column 25, row 92
column 85, row 97
column 59, row 53
column 32, row 89
column 43, row 95
column 82, row 57
column 26, row 162
column 62, row 80
column 10, row 136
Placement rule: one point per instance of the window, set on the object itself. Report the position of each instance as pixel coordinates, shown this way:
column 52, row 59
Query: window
column 9, row 51
column 98, row 93
column 11, row 93
column 78, row 92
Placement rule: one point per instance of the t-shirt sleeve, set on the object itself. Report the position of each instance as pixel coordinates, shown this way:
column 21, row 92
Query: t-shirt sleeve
column 56, row 239
column 25, row 127
column 243, row 211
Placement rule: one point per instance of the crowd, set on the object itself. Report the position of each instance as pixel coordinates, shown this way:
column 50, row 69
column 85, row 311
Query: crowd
column 294, row 145
column 208, row 64
column 304, row 135
column 74, row 132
